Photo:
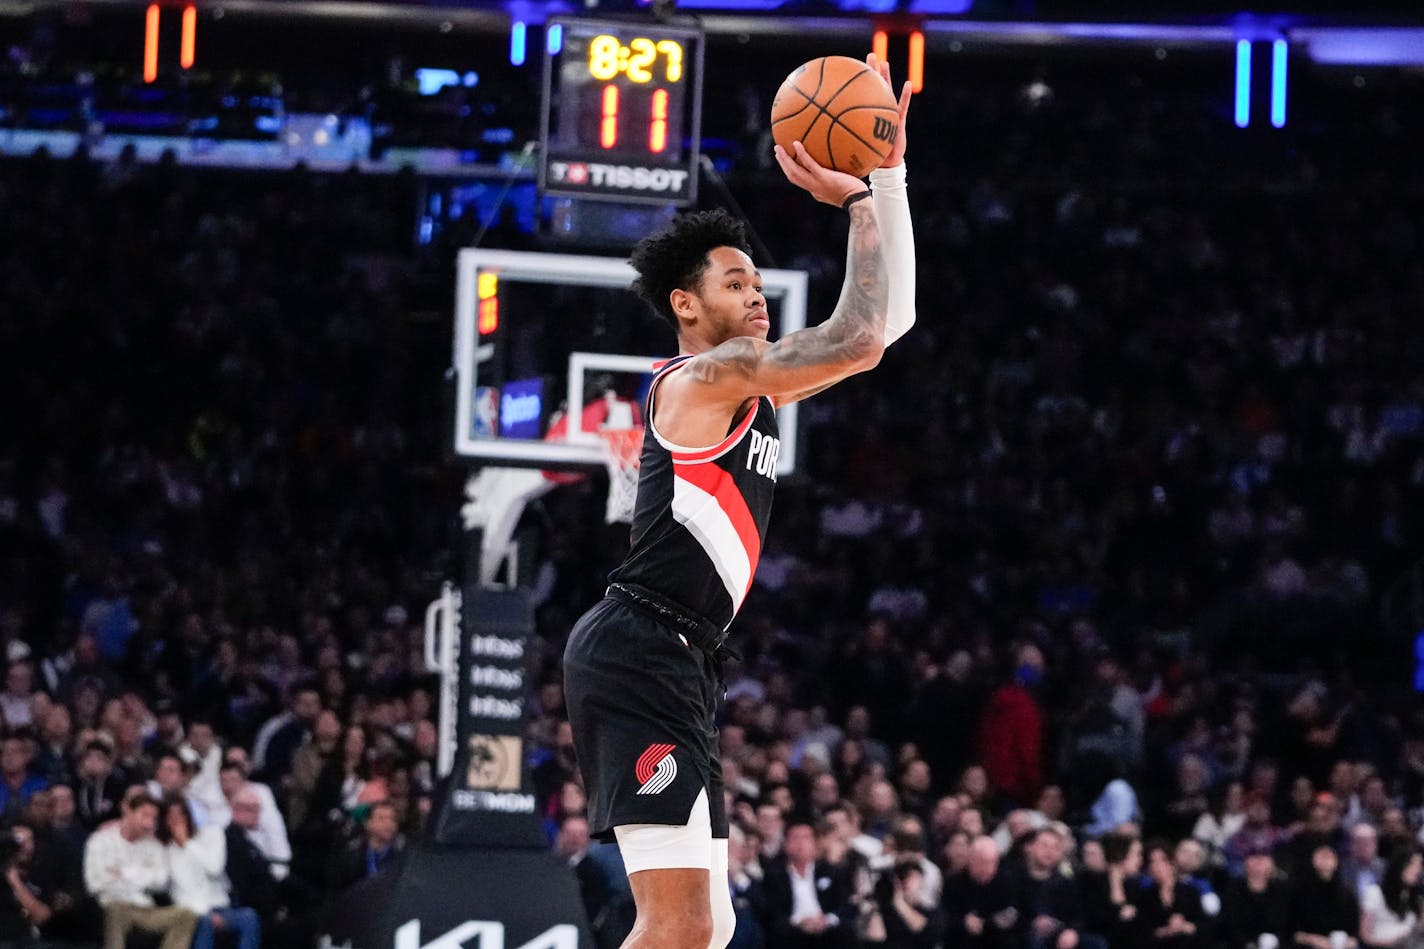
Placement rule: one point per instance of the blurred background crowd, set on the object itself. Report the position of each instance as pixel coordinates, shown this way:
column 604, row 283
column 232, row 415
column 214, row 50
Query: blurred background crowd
column 1069, row 633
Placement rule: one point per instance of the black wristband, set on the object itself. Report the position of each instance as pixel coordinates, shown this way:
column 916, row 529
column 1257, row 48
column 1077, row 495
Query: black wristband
column 858, row 196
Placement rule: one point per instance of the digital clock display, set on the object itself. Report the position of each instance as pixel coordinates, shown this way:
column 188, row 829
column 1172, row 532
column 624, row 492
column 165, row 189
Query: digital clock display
column 621, row 108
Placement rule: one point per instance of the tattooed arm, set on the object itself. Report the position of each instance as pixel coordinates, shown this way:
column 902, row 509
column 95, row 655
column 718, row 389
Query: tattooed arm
column 850, row 341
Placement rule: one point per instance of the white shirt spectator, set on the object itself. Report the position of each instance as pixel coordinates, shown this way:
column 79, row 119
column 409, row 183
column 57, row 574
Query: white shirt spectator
column 197, row 871
column 805, row 904
column 1379, row 923
column 204, row 786
column 120, row 871
column 270, row 835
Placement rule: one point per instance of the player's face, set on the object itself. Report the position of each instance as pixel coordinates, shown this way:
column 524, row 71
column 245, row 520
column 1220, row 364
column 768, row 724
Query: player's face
column 730, row 296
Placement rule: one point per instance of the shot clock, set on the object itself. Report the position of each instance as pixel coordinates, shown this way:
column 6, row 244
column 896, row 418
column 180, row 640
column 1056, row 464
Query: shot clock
column 622, row 108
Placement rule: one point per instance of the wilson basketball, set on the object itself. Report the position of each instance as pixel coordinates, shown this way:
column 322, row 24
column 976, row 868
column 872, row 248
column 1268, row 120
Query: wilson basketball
column 840, row 110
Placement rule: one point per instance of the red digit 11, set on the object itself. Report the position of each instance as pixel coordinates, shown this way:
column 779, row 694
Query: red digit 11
column 608, row 129
column 657, row 124
column 657, row 128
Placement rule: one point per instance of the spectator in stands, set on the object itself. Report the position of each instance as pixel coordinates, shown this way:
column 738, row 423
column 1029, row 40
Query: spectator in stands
column 979, row 901
column 307, row 766
column 268, row 832
column 26, row 904
column 125, row 867
column 52, row 756
column 170, row 779
column 904, row 915
column 1109, row 910
column 252, row 877
column 808, row 902
column 379, row 844
column 205, row 787
column 1255, row 909
column 1011, row 731
column 64, row 824
column 18, row 781
column 1169, row 911
column 1323, row 913
column 1050, row 912
column 906, row 843
column 607, row 901
column 1389, row 910
column 197, row 864
column 1189, row 858
column 16, row 701
column 167, row 734
column 1222, row 821
column 97, row 790
column 280, row 736
column 1362, row 867
column 1256, row 834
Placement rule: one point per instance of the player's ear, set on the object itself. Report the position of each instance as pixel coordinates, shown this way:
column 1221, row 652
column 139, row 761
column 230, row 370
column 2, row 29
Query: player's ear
column 683, row 305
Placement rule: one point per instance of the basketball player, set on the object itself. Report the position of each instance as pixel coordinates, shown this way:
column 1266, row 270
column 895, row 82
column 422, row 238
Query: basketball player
column 642, row 668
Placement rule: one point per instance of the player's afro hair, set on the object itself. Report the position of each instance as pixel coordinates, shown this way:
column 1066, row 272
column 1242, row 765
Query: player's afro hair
column 676, row 257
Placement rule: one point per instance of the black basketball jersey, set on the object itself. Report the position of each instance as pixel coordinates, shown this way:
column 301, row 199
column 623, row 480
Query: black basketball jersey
column 701, row 513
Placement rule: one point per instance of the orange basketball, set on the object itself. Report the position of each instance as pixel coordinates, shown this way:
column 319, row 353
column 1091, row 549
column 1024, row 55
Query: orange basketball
column 840, row 110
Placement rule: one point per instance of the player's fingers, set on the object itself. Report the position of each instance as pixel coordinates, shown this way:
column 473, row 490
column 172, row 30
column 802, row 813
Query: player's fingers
column 804, row 159
column 793, row 171
column 905, row 92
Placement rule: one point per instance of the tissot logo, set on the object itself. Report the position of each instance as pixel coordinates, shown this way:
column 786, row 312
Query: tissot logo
column 885, row 130
column 620, row 177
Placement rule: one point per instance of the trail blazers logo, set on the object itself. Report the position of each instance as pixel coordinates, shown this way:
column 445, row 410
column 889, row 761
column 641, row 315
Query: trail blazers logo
column 656, row 769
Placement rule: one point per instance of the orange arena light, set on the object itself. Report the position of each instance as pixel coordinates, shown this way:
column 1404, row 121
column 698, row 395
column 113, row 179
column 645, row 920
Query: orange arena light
column 917, row 61
column 188, row 50
column 879, row 45
column 150, row 44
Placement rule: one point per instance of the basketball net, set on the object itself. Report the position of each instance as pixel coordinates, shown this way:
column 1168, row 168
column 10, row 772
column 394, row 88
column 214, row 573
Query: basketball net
column 497, row 496
column 624, row 447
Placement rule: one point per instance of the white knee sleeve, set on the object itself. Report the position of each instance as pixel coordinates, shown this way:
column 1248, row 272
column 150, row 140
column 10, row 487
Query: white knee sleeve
column 670, row 846
column 724, row 918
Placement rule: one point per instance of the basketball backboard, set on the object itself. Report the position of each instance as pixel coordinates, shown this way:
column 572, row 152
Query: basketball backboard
column 541, row 337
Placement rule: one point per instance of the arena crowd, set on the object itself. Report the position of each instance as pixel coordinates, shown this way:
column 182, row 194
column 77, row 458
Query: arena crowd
column 1066, row 635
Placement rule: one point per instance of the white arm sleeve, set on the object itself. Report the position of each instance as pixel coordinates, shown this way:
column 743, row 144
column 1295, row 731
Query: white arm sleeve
column 892, row 213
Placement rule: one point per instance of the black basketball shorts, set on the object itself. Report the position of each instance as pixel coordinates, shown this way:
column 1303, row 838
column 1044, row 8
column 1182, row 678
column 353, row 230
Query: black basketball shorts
column 642, row 701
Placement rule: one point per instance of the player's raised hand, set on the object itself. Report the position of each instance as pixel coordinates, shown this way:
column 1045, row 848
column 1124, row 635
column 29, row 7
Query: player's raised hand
column 897, row 150
column 824, row 184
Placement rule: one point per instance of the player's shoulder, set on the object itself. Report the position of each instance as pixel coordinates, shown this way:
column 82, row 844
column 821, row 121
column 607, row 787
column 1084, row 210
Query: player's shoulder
column 737, row 357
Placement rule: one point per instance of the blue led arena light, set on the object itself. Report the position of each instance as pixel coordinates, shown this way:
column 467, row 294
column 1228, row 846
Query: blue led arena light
column 1243, row 83
column 516, row 42
column 554, row 39
column 1278, row 83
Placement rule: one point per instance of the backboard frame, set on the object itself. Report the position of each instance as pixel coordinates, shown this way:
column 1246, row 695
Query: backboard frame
column 581, row 449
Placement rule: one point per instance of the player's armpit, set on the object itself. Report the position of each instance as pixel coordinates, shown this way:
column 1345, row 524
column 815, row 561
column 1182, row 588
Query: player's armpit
column 781, row 400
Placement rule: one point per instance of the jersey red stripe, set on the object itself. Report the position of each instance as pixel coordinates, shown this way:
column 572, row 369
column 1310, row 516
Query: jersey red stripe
column 718, row 482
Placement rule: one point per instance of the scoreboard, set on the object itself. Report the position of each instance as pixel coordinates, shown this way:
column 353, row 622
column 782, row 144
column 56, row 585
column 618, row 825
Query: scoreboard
column 621, row 112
